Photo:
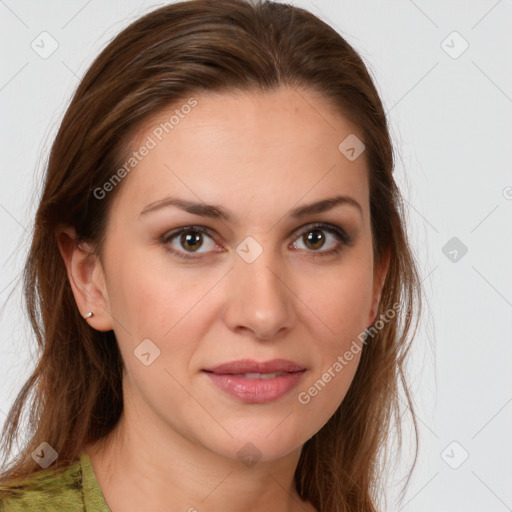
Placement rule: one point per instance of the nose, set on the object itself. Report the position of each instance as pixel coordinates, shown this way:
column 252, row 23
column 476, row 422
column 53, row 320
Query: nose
column 260, row 301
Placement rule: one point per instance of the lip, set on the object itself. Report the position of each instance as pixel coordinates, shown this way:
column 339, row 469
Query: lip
column 251, row 366
column 227, row 377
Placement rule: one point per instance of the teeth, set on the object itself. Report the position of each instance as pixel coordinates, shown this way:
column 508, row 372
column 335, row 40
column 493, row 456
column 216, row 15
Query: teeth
column 261, row 375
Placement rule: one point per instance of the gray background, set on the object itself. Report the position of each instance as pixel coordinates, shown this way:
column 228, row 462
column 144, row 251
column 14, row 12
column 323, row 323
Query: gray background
column 451, row 119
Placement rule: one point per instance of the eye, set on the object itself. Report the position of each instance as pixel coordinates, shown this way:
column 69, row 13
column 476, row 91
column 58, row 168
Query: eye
column 316, row 236
column 190, row 239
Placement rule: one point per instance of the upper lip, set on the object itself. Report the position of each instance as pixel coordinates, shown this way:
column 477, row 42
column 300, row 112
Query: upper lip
column 251, row 366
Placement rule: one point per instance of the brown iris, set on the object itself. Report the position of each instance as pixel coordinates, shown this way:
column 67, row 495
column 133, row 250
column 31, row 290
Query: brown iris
column 192, row 240
column 314, row 239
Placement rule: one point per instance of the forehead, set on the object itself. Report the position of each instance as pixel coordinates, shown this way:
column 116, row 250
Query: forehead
column 260, row 113
column 239, row 147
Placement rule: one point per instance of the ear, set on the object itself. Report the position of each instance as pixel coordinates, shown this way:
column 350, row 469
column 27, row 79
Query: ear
column 379, row 279
column 87, row 279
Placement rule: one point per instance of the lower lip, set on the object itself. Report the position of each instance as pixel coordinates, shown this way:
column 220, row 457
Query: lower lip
column 256, row 391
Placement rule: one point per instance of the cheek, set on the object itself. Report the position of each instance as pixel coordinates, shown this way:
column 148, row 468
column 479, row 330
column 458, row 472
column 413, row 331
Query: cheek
column 168, row 305
column 323, row 393
column 152, row 296
column 337, row 355
column 339, row 296
column 338, row 302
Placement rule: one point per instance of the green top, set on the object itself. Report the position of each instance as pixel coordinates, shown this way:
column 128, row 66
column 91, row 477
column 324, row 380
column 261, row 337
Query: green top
column 73, row 489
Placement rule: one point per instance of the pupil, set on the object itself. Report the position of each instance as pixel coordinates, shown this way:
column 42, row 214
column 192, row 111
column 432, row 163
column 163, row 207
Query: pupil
column 191, row 241
column 316, row 238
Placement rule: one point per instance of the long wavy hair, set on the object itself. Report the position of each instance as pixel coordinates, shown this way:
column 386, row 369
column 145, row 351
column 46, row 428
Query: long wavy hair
column 74, row 395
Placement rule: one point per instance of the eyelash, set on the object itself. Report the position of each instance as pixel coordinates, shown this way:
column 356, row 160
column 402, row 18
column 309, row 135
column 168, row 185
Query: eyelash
column 340, row 234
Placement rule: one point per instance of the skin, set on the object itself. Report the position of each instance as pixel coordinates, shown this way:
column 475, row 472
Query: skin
column 258, row 156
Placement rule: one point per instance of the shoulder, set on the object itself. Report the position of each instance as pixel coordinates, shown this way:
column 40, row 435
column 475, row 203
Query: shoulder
column 45, row 491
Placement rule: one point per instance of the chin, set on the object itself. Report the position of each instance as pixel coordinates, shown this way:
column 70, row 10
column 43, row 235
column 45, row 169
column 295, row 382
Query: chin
column 255, row 441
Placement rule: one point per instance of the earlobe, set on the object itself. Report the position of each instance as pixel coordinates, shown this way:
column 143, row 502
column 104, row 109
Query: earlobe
column 86, row 278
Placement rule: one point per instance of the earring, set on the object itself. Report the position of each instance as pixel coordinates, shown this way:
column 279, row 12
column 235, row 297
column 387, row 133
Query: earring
column 89, row 315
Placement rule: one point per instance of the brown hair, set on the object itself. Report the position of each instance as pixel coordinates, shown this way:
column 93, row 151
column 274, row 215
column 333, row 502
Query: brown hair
column 75, row 391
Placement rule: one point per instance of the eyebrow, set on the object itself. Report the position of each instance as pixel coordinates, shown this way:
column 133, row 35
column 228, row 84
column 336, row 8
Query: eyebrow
column 218, row 212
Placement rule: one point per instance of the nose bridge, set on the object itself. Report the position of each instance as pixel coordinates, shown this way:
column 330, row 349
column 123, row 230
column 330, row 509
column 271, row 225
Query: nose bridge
column 259, row 301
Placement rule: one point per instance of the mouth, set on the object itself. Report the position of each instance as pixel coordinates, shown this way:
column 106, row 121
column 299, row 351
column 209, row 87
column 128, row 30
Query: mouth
column 255, row 382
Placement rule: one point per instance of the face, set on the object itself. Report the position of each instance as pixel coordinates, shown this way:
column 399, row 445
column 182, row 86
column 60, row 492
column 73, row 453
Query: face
column 254, row 277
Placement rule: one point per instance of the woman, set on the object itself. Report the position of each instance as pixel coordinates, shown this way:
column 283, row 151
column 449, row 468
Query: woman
column 219, row 278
